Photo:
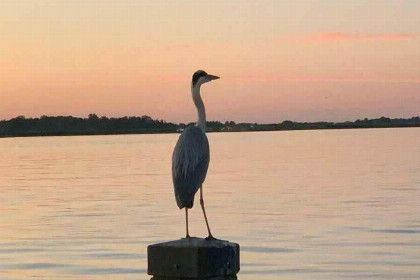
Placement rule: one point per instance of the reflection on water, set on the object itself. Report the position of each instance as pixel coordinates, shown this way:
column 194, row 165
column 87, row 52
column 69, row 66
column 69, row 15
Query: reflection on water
column 332, row 204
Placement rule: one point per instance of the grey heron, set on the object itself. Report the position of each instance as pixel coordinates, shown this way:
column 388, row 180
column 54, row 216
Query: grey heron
column 191, row 156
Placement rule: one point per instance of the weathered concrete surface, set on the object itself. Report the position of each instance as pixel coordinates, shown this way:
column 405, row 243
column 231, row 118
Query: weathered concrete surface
column 193, row 258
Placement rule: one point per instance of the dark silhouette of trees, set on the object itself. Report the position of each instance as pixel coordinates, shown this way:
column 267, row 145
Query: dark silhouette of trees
column 67, row 125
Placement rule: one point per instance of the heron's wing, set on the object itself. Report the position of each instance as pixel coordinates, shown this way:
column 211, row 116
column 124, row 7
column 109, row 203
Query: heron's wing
column 190, row 162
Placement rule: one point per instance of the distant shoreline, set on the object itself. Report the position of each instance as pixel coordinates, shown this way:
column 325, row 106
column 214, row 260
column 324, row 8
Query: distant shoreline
column 94, row 125
column 178, row 132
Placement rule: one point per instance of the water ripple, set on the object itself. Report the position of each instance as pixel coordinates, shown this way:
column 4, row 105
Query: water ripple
column 262, row 249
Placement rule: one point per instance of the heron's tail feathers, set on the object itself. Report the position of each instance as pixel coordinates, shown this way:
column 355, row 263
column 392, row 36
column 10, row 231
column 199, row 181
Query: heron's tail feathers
column 185, row 202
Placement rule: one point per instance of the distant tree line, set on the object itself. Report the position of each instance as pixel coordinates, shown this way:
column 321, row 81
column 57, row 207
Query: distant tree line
column 67, row 125
column 291, row 125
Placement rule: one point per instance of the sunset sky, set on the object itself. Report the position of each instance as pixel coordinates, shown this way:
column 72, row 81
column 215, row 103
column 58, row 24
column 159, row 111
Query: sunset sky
column 303, row 60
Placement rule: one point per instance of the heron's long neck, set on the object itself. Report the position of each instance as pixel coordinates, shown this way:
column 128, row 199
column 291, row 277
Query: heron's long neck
column 200, row 107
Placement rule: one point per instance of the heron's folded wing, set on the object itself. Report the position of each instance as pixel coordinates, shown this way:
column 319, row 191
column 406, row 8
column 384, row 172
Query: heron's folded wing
column 190, row 160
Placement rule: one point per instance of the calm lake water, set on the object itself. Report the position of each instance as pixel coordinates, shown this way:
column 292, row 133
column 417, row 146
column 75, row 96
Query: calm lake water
column 325, row 204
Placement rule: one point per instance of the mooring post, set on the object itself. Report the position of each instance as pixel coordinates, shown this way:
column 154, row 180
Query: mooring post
column 193, row 258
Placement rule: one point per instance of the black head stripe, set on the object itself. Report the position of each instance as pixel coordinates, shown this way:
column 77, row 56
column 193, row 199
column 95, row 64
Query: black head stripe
column 197, row 75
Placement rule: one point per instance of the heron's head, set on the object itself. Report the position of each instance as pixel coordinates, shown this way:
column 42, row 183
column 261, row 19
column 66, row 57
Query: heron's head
column 200, row 77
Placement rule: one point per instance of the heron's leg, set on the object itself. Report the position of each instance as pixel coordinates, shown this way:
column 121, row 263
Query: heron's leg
column 204, row 212
column 186, row 219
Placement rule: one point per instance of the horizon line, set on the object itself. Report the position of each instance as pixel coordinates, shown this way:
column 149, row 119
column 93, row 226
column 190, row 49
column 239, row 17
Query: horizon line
column 187, row 123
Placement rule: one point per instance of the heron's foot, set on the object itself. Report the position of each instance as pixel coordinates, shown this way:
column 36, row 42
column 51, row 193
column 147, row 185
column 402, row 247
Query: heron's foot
column 187, row 236
column 210, row 238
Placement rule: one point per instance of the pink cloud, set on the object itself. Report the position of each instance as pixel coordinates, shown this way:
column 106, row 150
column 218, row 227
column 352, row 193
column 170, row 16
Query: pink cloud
column 344, row 36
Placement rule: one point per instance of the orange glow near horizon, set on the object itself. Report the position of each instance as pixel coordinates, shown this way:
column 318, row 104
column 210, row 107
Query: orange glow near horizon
column 277, row 60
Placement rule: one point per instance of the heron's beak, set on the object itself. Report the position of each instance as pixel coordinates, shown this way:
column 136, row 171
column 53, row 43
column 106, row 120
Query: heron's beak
column 212, row 77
